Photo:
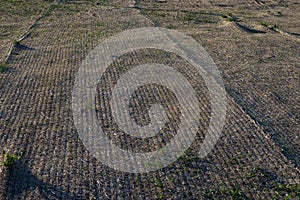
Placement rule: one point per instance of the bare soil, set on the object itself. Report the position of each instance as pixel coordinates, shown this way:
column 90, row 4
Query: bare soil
column 255, row 45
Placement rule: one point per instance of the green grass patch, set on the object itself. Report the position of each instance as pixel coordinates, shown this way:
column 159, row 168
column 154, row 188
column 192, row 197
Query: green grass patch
column 8, row 160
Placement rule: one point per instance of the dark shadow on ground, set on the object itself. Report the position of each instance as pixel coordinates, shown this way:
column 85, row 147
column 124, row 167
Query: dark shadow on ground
column 294, row 34
column 23, row 47
column 21, row 179
column 249, row 30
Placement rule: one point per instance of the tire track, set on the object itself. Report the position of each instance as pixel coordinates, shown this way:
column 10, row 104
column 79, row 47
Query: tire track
column 30, row 30
column 285, row 33
column 246, row 29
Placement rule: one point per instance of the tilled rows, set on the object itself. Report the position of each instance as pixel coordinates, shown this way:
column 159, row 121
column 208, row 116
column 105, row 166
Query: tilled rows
column 196, row 5
column 262, row 76
column 258, row 62
column 36, row 120
column 15, row 19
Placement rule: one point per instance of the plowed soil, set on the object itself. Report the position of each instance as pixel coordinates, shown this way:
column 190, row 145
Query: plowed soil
column 255, row 44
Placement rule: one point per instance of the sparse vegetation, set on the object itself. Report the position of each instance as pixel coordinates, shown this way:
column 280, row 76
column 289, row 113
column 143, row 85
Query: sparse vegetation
column 223, row 189
column 266, row 24
column 229, row 17
column 158, row 182
column 7, row 159
column 16, row 42
column 234, row 159
column 254, row 172
column 287, row 191
column 275, row 26
column 225, row 193
column 235, row 193
column 36, row 111
column 3, row 67
column 198, row 17
column 159, row 185
column 189, row 16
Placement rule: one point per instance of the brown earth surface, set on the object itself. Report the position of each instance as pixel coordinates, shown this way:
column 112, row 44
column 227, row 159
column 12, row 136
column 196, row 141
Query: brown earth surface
column 255, row 44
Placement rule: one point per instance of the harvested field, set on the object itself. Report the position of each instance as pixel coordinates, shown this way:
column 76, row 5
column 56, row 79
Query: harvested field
column 254, row 43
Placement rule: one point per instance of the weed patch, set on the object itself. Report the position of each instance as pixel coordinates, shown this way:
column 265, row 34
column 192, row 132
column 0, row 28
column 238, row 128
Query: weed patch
column 229, row 17
column 266, row 24
column 225, row 193
column 3, row 67
column 8, row 160
column 287, row 191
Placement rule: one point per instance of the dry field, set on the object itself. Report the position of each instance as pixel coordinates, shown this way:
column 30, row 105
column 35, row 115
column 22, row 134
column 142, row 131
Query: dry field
column 256, row 46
